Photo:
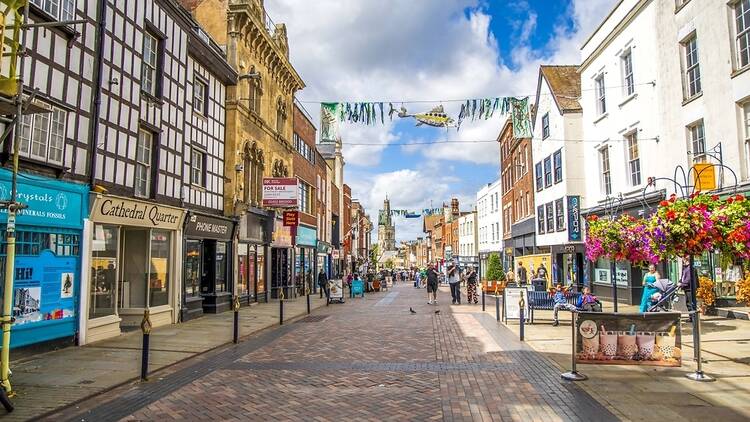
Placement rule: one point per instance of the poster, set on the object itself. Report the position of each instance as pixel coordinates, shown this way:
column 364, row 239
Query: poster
column 280, row 192
column 629, row 339
column 337, row 289
column 66, row 285
column 511, row 299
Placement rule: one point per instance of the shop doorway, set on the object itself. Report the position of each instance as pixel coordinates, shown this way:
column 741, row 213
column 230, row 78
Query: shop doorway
column 280, row 273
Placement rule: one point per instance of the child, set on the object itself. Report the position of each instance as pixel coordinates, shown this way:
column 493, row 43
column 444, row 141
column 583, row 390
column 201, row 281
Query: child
column 588, row 302
column 561, row 302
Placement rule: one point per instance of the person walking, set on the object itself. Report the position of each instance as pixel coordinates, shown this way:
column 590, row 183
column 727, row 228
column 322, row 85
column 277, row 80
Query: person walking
column 648, row 287
column 521, row 274
column 432, row 285
column 453, row 282
column 687, row 286
column 471, row 286
column 323, row 284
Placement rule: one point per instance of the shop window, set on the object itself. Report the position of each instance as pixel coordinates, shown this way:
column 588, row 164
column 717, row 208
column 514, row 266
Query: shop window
column 159, row 270
column 222, row 284
column 104, row 246
column 193, row 260
column 43, row 136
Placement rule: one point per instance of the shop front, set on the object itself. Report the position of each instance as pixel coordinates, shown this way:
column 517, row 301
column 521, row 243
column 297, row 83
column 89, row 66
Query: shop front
column 134, row 265
column 281, row 262
column 324, row 258
column 305, row 259
column 207, row 274
column 253, row 238
column 567, row 265
column 46, row 288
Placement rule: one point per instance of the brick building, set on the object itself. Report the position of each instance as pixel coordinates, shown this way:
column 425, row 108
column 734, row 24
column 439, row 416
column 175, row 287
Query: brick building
column 346, row 217
column 306, row 171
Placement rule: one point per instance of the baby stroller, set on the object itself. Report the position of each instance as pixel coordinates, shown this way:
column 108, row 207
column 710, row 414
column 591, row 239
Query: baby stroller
column 662, row 300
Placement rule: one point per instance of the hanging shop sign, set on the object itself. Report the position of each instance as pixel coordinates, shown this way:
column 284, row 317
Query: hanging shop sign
column 208, row 227
column 306, row 236
column 49, row 202
column 704, row 176
column 280, row 192
column 629, row 339
column 335, row 254
column 291, row 218
column 574, row 218
column 131, row 212
column 324, row 247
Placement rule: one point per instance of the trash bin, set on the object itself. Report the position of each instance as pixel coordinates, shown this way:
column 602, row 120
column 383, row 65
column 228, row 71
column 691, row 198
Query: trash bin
column 539, row 284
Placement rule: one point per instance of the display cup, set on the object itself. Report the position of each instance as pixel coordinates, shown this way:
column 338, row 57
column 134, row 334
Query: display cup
column 626, row 346
column 608, row 342
column 645, row 341
column 665, row 344
column 590, row 346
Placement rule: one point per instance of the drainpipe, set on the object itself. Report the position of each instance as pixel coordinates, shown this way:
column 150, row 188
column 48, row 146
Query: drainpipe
column 96, row 101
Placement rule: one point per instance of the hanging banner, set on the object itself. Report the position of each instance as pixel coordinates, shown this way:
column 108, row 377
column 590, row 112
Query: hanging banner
column 329, row 121
column 629, row 339
column 574, row 218
column 521, row 118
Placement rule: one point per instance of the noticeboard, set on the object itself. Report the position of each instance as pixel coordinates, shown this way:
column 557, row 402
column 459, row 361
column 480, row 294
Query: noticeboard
column 337, row 289
column 511, row 298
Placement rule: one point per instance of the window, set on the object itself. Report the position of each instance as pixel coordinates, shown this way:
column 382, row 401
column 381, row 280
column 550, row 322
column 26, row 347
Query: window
column 746, row 135
column 528, row 204
column 525, row 162
column 43, row 136
column 200, row 96
column 601, row 99
column 150, row 69
column 692, row 67
column 606, row 176
column 540, row 219
column 547, row 172
column 697, row 141
column 742, row 21
column 557, row 161
column 197, row 168
column 255, row 92
column 550, row 216
column 634, row 161
column 545, row 126
column 305, row 197
column 627, row 72
column 559, row 215
column 62, row 10
column 538, row 172
column 143, row 164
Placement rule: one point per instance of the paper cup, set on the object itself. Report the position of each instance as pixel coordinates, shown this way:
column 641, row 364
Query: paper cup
column 626, row 346
column 645, row 341
column 590, row 346
column 665, row 344
column 608, row 342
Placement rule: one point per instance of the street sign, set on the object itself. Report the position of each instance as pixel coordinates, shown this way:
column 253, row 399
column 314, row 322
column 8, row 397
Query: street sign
column 280, row 192
column 335, row 254
column 291, row 218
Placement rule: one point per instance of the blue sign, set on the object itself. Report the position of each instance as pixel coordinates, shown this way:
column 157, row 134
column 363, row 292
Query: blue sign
column 45, row 292
column 306, row 236
column 50, row 202
column 574, row 218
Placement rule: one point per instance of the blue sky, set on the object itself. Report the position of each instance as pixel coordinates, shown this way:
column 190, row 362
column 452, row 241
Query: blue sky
column 393, row 50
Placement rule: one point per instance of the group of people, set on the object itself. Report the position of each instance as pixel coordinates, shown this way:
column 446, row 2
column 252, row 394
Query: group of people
column 430, row 277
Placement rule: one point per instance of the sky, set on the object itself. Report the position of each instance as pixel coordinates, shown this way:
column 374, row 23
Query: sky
column 420, row 54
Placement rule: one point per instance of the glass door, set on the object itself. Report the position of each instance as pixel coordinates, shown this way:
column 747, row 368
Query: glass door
column 104, row 269
column 193, row 259
column 135, row 268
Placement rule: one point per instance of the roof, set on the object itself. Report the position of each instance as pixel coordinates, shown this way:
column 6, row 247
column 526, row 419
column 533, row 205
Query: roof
column 429, row 222
column 565, row 83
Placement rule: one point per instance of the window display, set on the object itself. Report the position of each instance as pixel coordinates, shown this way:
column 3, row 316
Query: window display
column 103, row 271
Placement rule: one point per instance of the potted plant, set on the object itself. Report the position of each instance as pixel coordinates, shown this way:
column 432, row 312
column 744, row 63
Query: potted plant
column 705, row 294
column 495, row 275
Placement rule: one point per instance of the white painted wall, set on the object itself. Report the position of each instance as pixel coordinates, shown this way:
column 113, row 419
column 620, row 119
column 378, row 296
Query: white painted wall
column 564, row 135
column 489, row 214
column 467, row 234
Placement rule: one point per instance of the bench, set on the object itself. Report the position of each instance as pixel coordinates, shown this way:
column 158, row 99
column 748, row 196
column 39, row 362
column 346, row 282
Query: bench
column 544, row 301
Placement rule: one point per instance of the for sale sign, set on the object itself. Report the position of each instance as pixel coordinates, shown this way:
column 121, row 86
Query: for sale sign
column 280, row 192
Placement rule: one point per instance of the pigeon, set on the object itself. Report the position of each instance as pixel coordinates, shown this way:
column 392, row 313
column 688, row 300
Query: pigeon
column 412, row 310
column 437, row 312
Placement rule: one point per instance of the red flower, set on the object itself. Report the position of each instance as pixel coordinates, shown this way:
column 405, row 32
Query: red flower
column 739, row 197
column 671, row 215
column 664, row 203
column 715, row 197
column 593, row 218
column 730, row 200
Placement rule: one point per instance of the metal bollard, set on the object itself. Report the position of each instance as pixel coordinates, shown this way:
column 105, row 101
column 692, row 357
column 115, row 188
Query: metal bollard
column 236, row 332
column 146, row 329
column 497, row 308
column 281, row 306
column 484, row 287
column 522, row 305
column 307, row 291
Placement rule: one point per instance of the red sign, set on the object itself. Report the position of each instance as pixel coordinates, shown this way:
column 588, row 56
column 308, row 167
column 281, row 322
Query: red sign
column 291, row 218
column 280, row 192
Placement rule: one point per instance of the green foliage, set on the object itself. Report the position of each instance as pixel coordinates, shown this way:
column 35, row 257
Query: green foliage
column 495, row 268
column 389, row 264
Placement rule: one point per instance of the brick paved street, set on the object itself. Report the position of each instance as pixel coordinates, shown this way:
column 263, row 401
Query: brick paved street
column 368, row 359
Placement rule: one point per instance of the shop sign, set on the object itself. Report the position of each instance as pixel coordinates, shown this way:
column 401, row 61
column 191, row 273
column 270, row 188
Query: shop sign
column 324, row 247
column 512, row 302
column 50, row 202
column 634, row 339
column 574, row 218
column 306, row 236
column 204, row 226
column 704, row 176
column 253, row 229
column 282, row 235
column 335, row 254
column 130, row 212
column 602, row 276
column 280, row 192
column 291, row 218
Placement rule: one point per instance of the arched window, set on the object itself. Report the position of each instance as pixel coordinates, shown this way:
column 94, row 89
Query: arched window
column 255, row 93
column 258, row 171
column 248, row 162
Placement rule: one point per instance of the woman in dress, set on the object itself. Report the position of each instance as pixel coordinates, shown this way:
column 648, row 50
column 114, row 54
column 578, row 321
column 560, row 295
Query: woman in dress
column 648, row 287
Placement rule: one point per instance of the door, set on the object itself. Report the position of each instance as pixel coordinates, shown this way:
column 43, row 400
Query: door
column 135, row 268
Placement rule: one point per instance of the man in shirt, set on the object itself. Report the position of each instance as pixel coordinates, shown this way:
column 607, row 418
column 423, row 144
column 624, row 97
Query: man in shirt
column 521, row 274
column 453, row 282
column 432, row 285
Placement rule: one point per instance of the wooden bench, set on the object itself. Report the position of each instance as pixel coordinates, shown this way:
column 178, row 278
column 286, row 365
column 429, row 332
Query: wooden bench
column 544, row 301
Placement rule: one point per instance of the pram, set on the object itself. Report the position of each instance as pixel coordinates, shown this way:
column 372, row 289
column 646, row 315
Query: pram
column 663, row 299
